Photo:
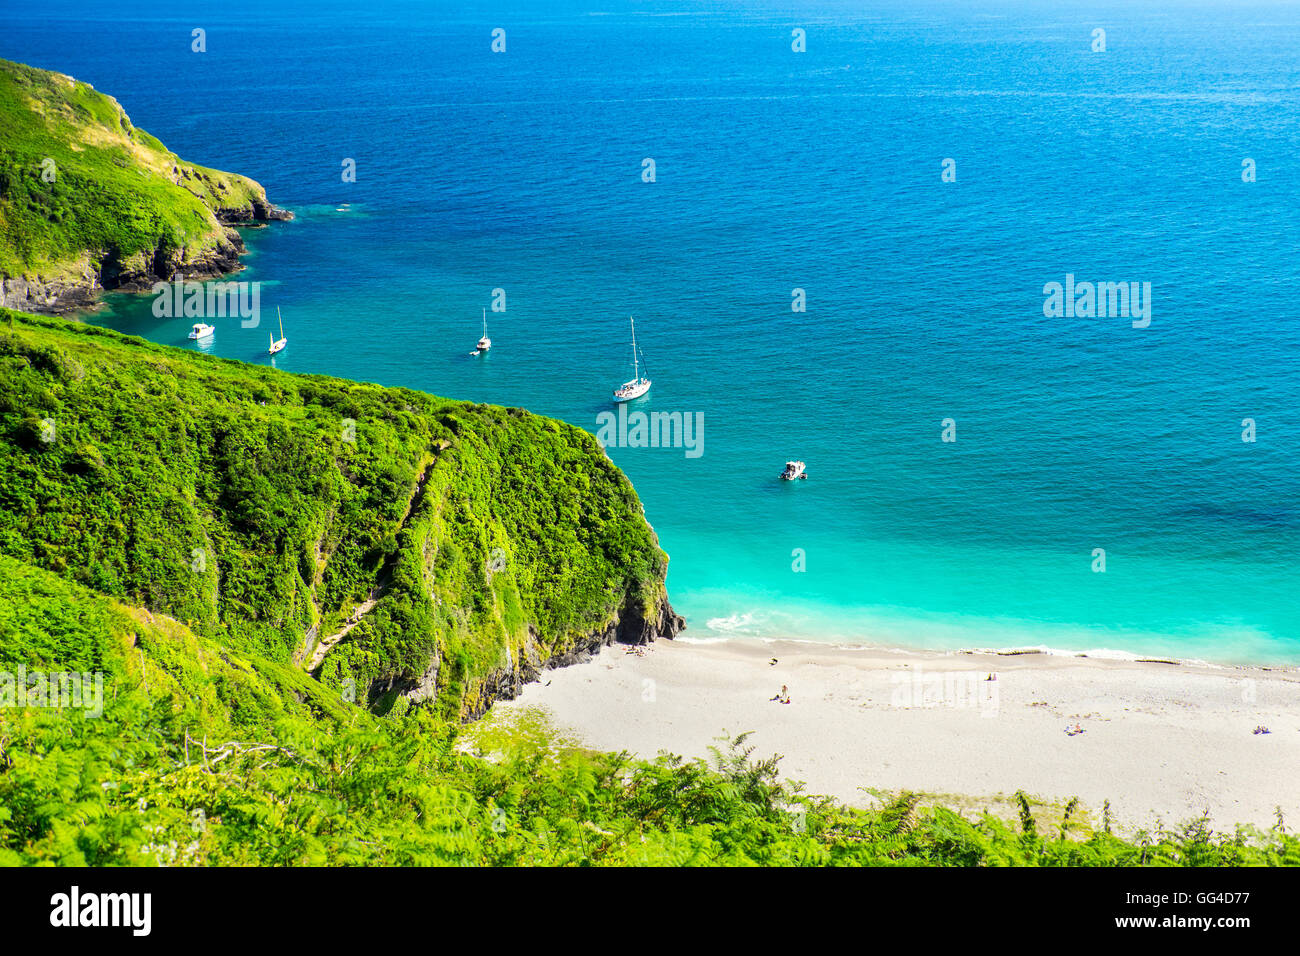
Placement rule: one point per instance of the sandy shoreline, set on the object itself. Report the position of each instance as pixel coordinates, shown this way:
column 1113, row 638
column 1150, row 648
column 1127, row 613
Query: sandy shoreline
column 1161, row 741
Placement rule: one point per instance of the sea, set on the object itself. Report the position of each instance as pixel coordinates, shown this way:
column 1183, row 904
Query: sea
column 838, row 226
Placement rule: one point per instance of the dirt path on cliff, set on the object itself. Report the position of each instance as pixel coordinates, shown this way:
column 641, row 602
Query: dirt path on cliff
column 382, row 585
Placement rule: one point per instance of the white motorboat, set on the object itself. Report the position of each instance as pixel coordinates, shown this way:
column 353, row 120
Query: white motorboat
column 202, row 330
column 794, row 470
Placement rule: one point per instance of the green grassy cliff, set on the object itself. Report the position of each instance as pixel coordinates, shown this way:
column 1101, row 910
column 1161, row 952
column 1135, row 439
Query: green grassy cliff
column 402, row 548
column 89, row 202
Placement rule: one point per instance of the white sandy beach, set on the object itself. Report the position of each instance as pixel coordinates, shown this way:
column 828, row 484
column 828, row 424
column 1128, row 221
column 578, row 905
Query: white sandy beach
column 1161, row 741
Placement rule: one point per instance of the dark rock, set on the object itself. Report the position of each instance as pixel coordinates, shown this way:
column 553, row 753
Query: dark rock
column 107, row 271
column 630, row 627
column 259, row 210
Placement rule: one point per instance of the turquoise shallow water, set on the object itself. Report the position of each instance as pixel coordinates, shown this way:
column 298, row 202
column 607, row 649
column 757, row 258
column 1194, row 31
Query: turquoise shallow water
column 820, row 171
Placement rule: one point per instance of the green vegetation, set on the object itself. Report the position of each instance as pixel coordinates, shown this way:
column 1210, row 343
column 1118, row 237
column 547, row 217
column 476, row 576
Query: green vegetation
column 306, row 497
column 267, row 511
column 81, row 187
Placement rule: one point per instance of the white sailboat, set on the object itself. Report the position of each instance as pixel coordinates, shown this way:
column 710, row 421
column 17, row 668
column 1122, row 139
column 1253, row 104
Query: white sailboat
column 639, row 384
column 484, row 343
column 281, row 342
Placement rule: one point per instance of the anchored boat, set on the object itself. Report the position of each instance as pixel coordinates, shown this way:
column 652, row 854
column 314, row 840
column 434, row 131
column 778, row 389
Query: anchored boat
column 794, row 470
column 281, row 342
column 639, row 384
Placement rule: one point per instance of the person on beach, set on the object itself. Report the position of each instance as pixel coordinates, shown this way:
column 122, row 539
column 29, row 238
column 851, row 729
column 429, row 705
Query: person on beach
column 784, row 695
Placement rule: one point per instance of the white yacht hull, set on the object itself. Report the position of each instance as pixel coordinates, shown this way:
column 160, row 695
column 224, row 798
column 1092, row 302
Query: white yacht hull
column 632, row 390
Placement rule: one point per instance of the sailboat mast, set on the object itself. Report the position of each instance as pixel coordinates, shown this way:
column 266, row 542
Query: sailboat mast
column 636, row 368
column 485, row 323
column 281, row 318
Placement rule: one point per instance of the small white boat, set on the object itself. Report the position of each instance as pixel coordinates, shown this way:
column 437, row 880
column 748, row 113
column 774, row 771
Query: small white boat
column 281, row 342
column 794, row 470
column 639, row 384
column 484, row 343
column 202, row 330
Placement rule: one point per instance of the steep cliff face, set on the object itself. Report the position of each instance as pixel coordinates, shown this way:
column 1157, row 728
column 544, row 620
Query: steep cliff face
column 400, row 548
column 89, row 203
column 630, row 626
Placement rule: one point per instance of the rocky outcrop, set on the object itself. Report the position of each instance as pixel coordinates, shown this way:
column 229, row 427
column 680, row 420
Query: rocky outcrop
column 77, row 286
column 629, row 627
column 121, row 216
column 138, row 273
column 259, row 211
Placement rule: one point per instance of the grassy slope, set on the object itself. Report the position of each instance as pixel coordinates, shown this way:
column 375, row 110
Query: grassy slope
column 238, row 500
column 117, row 188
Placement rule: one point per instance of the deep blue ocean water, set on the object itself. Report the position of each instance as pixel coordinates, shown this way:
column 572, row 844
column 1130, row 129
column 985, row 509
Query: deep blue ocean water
column 822, row 171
